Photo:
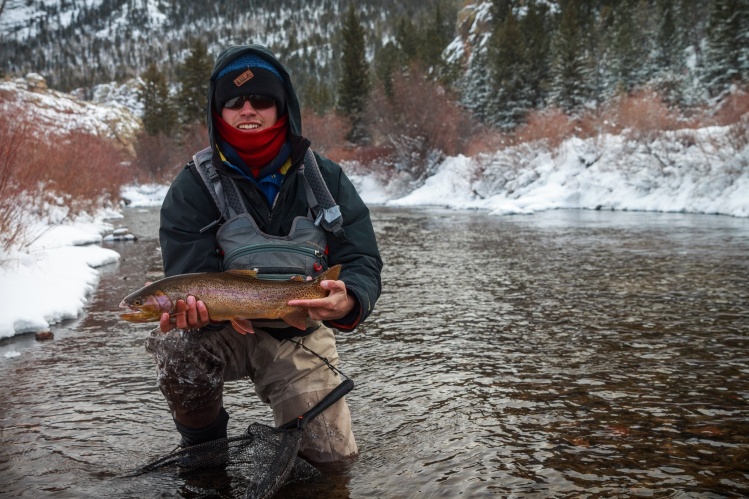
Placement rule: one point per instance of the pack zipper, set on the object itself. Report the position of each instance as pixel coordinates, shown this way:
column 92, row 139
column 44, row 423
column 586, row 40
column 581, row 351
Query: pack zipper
column 257, row 248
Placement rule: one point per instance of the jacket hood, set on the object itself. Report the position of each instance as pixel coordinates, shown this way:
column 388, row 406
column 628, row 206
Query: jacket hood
column 233, row 52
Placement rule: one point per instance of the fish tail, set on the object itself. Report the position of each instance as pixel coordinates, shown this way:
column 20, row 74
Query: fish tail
column 329, row 275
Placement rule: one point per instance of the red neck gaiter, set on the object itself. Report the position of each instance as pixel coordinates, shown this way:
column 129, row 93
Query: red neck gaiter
column 255, row 149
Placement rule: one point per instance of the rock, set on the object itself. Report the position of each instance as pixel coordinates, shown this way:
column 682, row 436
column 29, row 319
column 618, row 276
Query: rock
column 44, row 335
column 122, row 234
column 36, row 83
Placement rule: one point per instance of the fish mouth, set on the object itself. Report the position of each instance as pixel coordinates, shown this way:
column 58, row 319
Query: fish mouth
column 134, row 314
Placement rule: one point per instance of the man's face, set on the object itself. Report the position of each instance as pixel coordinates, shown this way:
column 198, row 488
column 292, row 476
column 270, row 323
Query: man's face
column 243, row 115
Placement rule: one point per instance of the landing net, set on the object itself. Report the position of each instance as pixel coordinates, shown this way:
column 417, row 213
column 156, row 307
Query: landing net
column 255, row 465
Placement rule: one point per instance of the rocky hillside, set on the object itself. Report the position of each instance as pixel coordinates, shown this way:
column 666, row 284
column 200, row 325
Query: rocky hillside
column 57, row 112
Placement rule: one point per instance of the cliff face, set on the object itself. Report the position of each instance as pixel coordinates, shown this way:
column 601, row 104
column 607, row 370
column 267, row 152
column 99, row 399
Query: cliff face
column 56, row 112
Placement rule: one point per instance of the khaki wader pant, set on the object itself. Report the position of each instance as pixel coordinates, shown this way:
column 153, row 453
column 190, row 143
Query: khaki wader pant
column 291, row 380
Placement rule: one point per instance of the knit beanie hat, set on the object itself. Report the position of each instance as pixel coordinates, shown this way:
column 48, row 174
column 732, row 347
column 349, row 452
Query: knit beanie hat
column 249, row 74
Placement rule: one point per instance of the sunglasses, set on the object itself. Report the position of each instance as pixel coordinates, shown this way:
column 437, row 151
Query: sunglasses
column 256, row 101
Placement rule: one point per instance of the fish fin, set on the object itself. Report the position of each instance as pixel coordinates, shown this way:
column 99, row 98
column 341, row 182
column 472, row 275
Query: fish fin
column 330, row 275
column 297, row 318
column 242, row 326
column 243, row 273
column 298, row 278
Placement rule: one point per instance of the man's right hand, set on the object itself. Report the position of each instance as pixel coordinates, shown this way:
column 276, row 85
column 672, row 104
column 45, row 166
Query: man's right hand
column 190, row 314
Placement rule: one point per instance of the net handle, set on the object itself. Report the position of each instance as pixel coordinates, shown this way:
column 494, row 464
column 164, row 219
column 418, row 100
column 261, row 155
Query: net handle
column 336, row 394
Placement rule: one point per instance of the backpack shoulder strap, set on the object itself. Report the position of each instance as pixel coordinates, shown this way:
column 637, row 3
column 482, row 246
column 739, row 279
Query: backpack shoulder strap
column 324, row 208
column 222, row 189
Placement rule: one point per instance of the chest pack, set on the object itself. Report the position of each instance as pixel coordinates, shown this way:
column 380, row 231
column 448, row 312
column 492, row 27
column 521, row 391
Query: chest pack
column 302, row 252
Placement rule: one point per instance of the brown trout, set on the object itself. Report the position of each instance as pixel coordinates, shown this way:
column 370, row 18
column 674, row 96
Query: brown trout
column 235, row 295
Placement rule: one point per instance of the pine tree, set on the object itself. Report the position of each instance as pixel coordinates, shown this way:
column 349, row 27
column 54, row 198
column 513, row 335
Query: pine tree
column 669, row 72
column 627, row 52
column 317, row 96
column 388, row 60
column 570, row 73
column 434, row 39
column 534, row 30
column 510, row 72
column 353, row 84
column 476, row 87
column 500, row 10
column 193, row 74
column 726, row 57
column 668, row 47
column 407, row 37
column 159, row 114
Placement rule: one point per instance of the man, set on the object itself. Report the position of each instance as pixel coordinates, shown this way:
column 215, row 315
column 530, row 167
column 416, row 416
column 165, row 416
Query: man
column 245, row 203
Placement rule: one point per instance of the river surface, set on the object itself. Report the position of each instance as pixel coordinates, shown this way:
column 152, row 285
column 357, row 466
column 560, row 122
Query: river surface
column 561, row 354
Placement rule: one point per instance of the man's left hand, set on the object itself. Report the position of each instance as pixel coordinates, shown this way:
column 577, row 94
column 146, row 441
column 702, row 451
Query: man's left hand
column 334, row 306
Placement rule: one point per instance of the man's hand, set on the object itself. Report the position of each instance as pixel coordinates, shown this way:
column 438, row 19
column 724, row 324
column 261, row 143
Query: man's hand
column 334, row 306
column 192, row 314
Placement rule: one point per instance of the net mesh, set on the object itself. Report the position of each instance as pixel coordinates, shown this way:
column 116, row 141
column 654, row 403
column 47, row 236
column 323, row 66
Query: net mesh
column 254, row 465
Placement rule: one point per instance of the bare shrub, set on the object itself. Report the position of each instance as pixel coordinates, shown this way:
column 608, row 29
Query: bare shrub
column 159, row 157
column 327, row 133
column 551, row 126
column 194, row 138
column 643, row 115
column 15, row 138
column 486, row 140
column 421, row 122
column 75, row 172
column 738, row 134
column 598, row 121
column 728, row 150
column 365, row 159
column 732, row 108
column 87, row 170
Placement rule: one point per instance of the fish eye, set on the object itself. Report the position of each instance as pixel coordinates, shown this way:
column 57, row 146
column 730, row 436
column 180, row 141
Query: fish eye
column 138, row 302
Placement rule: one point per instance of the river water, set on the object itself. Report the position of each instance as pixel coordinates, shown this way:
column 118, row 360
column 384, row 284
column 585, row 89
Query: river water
column 561, row 354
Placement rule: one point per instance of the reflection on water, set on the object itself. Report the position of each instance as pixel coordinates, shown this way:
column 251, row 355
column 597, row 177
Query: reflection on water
column 554, row 355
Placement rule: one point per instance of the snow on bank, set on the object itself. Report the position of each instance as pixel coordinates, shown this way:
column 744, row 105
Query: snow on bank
column 144, row 195
column 692, row 171
column 53, row 277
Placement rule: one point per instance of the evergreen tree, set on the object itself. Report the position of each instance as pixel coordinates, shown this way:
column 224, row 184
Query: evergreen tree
column 669, row 72
column 534, row 31
column 388, row 60
column 500, row 10
column 317, row 96
column 510, row 73
column 668, row 47
column 726, row 57
column 353, row 84
column 193, row 74
column 435, row 38
column 627, row 52
column 159, row 114
column 569, row 71
column 407, row 37
column 476, row 86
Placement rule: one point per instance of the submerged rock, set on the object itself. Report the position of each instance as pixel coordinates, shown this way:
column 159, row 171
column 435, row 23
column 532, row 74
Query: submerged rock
column 122, row 234
column 44, row 335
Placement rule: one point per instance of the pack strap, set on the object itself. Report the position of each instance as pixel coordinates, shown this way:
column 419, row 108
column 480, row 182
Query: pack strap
column 324, row 208
column 223, row 190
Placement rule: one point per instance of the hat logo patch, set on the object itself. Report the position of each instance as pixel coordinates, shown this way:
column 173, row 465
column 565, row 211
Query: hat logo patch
column 243, row 78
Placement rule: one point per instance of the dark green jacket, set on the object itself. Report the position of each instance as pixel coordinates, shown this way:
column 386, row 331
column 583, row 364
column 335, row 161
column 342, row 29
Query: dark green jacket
column 188, row 208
